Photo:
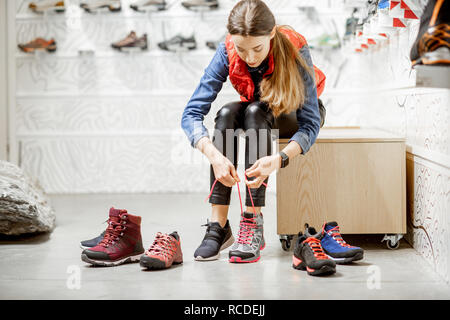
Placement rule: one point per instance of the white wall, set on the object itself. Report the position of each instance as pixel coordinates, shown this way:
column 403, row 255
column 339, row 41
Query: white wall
column 111, row 123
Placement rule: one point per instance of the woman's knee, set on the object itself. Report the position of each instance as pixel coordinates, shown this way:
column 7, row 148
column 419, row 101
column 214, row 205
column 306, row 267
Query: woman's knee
column 258, row 116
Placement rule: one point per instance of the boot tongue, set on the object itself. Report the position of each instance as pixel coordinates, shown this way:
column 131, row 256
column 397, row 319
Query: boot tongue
column 248, row 215
column 330, row 225
column 114, row 213
column 175, row 235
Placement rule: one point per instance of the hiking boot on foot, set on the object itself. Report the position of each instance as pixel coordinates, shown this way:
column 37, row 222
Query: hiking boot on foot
column 250, row 239
column 165, row 251
column 215, row 240
column 121, row 243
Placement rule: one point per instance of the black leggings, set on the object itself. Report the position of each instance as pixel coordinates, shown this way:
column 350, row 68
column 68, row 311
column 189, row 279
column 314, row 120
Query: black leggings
column 250, row 118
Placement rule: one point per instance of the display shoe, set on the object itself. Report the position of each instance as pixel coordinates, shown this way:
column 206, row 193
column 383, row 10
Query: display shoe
column 149, row 5
column 203, row 5
column 121, row 243
column 214, row 44
column 335, row 246
column 165, row 251
column 38, row 44
column 250, row 239
column 308, row 255
column 215, row 240
column 86, row 244
column 432, row 45
column 94, row 5
column 131, row 42
column 46, row 5
column 178, row 43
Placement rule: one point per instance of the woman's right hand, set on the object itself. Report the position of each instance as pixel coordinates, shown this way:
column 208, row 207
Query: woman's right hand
column 224, row 170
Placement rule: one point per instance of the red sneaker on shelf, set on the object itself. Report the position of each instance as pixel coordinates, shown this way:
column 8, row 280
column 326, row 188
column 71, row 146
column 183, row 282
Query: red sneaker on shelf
column 165, row 251
column 121, row 243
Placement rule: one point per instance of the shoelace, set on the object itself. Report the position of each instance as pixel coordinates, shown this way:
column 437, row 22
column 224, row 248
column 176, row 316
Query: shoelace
column 239, row 193
column 247, row 225
column 162, row 245
column 336, row 235
column 316, row 247
column 113, row 231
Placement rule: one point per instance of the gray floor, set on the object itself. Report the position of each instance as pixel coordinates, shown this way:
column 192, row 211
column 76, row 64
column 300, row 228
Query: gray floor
column 49, row 266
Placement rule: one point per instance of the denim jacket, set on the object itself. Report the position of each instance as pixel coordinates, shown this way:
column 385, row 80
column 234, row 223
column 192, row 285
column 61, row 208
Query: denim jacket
column 216, row 74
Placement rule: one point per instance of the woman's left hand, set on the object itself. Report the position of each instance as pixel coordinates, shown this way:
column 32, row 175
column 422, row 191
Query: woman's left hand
column 261, row 169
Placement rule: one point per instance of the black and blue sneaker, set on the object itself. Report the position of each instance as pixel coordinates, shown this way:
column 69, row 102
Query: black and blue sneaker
column 86, row 244
column 335, row 246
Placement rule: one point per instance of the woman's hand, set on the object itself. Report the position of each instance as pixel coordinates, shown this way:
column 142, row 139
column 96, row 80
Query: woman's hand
column 261, row 169
column 224, row 170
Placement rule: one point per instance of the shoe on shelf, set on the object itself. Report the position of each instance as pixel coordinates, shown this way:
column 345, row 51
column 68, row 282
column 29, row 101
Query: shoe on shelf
column 200, row 5
column 213, row 44
column 250, row 239
column 178, row 43
column 94, row 5
column 335, row 246
column 46, row 5
column 38, row 44
column 149, row 5
column 215, row 240
column 122, row 242
column 432, row 45
column 130, row 42
column 86, row 244
column 163, row 253
column 309, row 255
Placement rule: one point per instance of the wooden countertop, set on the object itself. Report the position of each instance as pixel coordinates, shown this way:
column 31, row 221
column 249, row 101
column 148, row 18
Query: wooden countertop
column 354, row 134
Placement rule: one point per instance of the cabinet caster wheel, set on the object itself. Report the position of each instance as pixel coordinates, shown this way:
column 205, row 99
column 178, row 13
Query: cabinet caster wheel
column 286, row 241
column 392, row 241
column 392, row 245
column 285, row 244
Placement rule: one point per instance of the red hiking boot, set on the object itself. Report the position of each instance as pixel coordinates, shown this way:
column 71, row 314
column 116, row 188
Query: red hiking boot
column 165, row 251
column 121, row 243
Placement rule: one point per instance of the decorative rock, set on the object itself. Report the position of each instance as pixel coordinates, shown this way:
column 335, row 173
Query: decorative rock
column 24, row 207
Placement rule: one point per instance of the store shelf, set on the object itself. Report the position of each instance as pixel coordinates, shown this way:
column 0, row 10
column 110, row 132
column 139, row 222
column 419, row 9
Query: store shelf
column 204, row 52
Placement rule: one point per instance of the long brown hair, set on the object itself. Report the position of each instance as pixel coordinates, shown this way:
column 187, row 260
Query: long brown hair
column 283, row 90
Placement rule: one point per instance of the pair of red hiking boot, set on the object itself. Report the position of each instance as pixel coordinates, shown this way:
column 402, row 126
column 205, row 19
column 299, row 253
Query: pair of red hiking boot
column 122, row 243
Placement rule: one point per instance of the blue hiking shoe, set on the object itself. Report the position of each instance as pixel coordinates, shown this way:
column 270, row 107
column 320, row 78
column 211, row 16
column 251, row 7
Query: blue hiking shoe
column 87, row 244
column 336, row 247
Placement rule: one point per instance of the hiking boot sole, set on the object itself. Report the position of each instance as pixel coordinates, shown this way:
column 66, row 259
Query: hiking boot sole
column 156, row 7
column 225, row 245
column 110, row 8
column 356, row 257
column 155, row 264
column 101, row 263
column 298, row 264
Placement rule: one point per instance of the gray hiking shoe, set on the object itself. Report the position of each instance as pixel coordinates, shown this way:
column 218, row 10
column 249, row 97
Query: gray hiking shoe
column 250, row 239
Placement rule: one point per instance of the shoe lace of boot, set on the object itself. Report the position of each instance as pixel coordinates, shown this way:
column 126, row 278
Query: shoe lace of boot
column 247, row 228
column 162, row 246
column 316, row 247
column 336, row 235
column 116, row 226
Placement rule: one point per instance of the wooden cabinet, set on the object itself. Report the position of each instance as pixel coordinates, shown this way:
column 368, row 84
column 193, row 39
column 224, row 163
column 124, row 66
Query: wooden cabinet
column 353, row 176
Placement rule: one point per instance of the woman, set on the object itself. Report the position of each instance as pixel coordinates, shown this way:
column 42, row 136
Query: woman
column 270, row 67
